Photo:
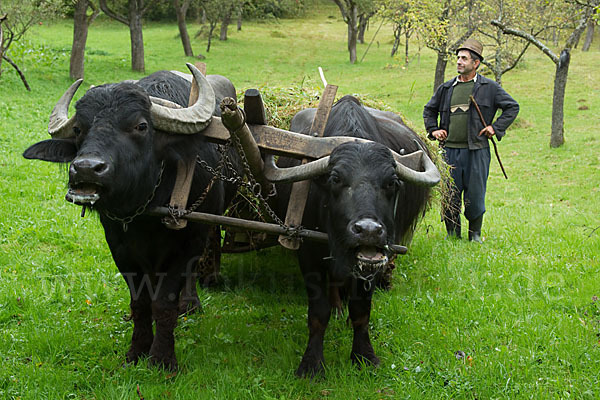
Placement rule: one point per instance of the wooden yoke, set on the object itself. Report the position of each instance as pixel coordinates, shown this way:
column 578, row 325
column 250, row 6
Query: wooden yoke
column 185, row 171
column 299, row 194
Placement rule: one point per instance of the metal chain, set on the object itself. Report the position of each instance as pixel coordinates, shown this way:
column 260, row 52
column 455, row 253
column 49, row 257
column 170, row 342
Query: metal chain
column 367, row 280
column 255, row 188
column 175, row 213
column 251, row 185
column 141, row 209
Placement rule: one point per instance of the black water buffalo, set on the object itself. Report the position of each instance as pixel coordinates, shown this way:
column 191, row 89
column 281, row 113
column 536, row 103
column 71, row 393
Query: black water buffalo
column 367, row 203
column 123, row 145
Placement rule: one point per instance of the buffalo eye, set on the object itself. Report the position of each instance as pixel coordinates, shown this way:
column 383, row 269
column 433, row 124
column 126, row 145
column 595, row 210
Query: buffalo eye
column 141, row 127
column 335, row 181
column 76, row 130
column 391, row 185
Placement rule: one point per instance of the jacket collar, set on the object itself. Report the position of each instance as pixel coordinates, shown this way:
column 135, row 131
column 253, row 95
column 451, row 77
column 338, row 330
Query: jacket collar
column 456, row 80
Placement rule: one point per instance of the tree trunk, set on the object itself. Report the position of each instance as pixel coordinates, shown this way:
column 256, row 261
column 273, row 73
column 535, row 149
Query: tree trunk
column 210, row 33
column 80, row 33
column 406, row 37
column 440, row 70
column 225, row 24
column 396, row 44
column 239, row 20
column 2, row 18
column 363, row 23
column 181, row 11
column 352, row 32
column 137, row 36
column 558, row 99
column 589, row 36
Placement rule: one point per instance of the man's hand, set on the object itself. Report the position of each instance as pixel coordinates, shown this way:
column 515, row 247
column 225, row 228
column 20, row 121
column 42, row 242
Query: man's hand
column 488, row 131
column 440, row 134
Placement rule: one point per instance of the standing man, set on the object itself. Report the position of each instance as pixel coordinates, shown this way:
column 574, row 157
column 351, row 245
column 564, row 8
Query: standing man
column 451, row 119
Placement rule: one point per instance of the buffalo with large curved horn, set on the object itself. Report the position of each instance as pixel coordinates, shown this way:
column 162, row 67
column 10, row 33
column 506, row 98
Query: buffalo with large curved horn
column 166, row 116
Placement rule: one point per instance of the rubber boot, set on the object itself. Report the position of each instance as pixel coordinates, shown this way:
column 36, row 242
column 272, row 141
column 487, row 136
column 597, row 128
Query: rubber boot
column 475, row 230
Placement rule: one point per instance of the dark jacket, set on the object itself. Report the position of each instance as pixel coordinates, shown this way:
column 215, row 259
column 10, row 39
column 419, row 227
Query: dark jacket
column 488, row 94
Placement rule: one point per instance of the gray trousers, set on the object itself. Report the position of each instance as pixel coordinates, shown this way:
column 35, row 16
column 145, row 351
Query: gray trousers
column 470, row 170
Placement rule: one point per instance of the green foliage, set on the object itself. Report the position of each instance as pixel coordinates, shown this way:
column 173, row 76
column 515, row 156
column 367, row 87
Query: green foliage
column 265, row 9
column 41, row 55
column 514, row 318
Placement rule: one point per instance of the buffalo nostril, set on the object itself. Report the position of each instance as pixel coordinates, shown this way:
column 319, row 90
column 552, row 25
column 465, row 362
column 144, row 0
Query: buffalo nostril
column 100, row 168
column 357, row 228
column 367, row 227
column 89, row 166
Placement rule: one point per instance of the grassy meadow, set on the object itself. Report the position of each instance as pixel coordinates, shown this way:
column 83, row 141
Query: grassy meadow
column 516, row 317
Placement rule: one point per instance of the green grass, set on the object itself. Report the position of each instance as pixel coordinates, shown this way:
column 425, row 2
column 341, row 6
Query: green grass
column 520, row 307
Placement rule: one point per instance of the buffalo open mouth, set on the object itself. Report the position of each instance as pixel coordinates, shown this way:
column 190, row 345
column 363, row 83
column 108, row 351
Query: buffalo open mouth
column 83, row 194
column 370, row 259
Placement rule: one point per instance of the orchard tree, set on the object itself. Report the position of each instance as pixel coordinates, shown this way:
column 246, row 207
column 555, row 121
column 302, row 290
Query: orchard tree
column 16, row 18
column 215, row 12
column 589, row 36
column 507, row 51
column 573, row 18
column 456, row 23
column 81, row 23
column 181, row 9
column 352, row 13
column 409, row 17
column 135, row 10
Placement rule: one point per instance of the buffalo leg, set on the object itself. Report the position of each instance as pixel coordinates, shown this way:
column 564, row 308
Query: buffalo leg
column 359, row 308
column 335, row 299
column 165, row 312
column 188, row 300
column 319, row 311
column 141, row 314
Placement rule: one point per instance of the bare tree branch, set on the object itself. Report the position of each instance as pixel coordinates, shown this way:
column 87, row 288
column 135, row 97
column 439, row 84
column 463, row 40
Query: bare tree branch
column 514, row 64
column 529, row 37
column 113, row 14
column 16, row 67
column 95, row 12
column 574, row 38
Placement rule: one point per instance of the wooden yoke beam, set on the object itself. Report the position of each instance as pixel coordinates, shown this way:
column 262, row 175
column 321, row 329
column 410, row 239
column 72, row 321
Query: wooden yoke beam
column 299, row 193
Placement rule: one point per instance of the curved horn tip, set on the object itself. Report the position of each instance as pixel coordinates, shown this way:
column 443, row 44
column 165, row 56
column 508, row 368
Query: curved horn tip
column 192, row 68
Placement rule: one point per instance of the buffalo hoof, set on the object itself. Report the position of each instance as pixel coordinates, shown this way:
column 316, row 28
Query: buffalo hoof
column 364, row 359
column 133, row 357
column 166, row 363
column 310, row 370
column 141, row 348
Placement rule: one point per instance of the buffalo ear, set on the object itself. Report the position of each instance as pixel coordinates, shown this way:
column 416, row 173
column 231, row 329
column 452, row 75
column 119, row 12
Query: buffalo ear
column 53, row 150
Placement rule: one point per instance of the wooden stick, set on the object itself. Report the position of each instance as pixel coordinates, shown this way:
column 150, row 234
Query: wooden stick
column 492, row 138
column 211, row 219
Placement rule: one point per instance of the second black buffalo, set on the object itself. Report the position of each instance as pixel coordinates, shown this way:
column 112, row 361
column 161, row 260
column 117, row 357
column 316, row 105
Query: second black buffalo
column 367, row 202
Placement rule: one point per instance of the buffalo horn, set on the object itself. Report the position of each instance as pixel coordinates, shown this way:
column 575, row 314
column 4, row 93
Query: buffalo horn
column 294, row 174
column 429, row 177
column 60, row 125
column 188, row 120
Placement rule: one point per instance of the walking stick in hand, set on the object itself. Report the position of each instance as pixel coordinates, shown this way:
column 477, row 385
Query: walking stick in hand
column 492, row 138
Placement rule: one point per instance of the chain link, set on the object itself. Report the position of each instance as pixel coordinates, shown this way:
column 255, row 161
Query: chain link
column 232, row 176
column 141, row 209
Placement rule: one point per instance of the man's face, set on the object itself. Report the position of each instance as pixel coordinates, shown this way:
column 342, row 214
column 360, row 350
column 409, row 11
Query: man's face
column 465, row 65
